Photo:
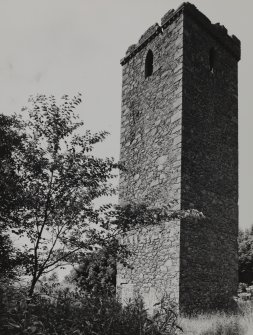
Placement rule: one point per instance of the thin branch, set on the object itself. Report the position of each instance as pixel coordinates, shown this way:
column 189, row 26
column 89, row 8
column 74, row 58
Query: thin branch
column 62, row 257
column 42, row 226
column 52, row 248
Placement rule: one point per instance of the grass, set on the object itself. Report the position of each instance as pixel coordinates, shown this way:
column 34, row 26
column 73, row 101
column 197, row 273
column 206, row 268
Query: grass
column 212, row 325
column 74, row 312
column 221, row 323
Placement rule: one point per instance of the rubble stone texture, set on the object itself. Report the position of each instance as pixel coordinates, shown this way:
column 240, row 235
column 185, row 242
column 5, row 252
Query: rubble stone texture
column 179, row 144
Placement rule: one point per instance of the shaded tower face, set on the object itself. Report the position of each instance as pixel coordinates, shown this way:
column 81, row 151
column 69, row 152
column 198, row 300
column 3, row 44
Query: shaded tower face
column 179, row 144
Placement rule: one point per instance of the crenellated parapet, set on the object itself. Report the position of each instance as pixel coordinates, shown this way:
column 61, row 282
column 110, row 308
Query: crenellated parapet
column 219, row 32
column 147, row 37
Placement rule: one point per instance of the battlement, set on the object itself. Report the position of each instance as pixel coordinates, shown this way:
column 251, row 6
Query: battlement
column 219, row 32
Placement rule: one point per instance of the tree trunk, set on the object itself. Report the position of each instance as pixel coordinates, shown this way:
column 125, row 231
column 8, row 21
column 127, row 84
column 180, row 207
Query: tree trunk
column 32, row 287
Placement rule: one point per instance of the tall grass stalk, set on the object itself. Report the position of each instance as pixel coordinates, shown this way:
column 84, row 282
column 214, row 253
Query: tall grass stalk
column 221, row 323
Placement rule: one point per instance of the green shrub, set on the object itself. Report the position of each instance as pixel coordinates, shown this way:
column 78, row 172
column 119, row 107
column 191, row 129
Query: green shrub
column 63, row 312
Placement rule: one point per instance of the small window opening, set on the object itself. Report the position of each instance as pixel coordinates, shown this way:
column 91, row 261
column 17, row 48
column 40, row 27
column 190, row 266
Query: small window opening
column 211, row 59
column 149, row 64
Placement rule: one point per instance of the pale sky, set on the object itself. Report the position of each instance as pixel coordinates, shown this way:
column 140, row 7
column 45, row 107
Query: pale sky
column 69, row 46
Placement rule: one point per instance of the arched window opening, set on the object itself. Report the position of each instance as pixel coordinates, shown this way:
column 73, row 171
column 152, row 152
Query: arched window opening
column 149, row 64
column 211, row 59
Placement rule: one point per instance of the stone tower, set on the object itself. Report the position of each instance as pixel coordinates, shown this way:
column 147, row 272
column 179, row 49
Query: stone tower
column 179, row 144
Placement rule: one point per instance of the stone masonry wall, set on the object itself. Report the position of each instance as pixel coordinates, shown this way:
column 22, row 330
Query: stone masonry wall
column 155, row 264
column 208, row 269
column 179, row 145
column 151, row 153
column 151, row 121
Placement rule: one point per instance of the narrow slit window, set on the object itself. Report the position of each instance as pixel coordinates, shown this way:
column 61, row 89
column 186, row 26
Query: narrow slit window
column 211, row 59
column 149, row 64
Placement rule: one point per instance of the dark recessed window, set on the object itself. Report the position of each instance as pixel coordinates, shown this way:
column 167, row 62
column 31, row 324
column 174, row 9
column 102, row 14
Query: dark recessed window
column 211, row 59
column 149, row 64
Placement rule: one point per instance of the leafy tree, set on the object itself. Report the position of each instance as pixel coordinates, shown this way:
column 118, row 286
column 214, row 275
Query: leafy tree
column 60, row 179
column 140, row 214
column 11, row 137
column 245, row 252
column 97, row 273
column 8, row 259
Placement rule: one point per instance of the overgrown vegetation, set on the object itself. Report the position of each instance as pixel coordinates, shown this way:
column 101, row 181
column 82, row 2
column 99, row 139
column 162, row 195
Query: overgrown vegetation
column 97, row 272
column 245, row 251
column 11, row 138
column 55, row 311
column 59, row 180
column 50, row 180
column 221, row 323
